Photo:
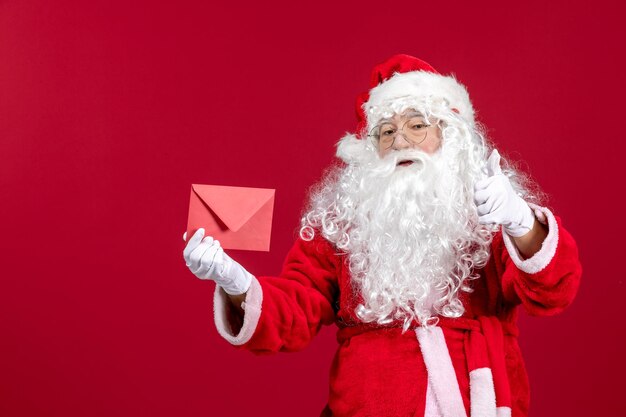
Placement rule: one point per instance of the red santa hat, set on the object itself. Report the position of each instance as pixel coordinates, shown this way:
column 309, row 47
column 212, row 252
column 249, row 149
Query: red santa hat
column 404, row 77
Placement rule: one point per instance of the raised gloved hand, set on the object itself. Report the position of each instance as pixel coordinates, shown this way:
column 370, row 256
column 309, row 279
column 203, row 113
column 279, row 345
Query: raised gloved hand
column 207, row 260
column 497, row 202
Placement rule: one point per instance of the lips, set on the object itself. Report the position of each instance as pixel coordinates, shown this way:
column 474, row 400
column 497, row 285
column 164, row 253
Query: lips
column 405, row 163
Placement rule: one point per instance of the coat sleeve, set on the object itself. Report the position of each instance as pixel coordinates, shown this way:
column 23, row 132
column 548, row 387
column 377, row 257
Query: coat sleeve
column 546, row 283
column 284, row 313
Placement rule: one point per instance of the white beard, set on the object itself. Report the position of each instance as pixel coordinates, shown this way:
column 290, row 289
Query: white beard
column 411, row 232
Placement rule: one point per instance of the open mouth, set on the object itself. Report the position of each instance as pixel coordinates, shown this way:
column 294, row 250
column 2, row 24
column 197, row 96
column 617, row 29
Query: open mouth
column 405, row 163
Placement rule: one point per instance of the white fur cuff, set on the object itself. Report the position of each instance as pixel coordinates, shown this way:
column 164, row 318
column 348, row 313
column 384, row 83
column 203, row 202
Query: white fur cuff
column 542, row 258
column 252, row 313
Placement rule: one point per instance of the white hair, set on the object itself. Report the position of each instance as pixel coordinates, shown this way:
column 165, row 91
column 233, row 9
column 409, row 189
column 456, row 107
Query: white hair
column 411, row 234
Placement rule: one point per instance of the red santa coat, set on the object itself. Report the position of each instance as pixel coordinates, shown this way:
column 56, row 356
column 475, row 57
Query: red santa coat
column 470, row 366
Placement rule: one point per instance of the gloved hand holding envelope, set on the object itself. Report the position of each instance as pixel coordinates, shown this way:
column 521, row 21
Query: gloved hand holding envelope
column 239, row 217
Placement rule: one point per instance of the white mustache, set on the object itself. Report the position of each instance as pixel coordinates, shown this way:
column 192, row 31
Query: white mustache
column 408, row 154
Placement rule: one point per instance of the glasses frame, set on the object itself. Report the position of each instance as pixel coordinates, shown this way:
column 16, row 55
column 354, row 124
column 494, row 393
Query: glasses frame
column 376, row 137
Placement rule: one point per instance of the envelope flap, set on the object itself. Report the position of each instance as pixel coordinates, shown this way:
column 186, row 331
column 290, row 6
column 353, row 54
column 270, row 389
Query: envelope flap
column 233, row 205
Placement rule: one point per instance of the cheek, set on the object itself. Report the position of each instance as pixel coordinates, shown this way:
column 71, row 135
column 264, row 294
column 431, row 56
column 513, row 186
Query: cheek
column 431, row 146
column 436, row 141
column 436, row 144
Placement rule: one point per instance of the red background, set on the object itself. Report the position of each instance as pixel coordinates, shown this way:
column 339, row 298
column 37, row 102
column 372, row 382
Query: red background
column 110, row 110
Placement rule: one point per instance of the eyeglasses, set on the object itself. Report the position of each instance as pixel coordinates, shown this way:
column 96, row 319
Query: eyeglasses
column 414, row 130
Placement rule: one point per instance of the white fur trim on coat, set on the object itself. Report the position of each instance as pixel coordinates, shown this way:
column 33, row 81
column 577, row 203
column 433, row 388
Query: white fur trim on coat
column 441, row 375
column 482, row 393
column 542, row 258
column 423, row 85
column 431, row 409
column 252, row 313
column 503, row 411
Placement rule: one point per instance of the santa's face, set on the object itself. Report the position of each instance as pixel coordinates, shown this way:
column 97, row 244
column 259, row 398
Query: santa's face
column 407, row 130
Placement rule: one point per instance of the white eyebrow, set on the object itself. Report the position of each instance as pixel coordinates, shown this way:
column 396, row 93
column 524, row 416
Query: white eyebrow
column 412, row 113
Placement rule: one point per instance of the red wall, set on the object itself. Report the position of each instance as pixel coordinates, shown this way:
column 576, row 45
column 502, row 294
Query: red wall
column 110, row 111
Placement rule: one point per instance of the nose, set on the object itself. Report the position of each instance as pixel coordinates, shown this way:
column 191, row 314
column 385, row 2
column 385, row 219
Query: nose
column 401, row 143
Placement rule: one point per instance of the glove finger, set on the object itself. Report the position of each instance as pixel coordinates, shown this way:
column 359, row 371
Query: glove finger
column 195, row 257
column 220, row 259
column 485, row 208
column 193, row 244
column 490, row 218
column 209, row 262
column 484, row 183
column 493, row 163
column 481, row 196
column 204, row 270
column 208, row 240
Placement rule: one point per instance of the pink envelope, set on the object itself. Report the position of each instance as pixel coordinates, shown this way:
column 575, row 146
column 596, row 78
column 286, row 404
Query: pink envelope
column 239, row 217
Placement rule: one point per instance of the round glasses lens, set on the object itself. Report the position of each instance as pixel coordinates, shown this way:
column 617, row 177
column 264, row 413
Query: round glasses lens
column 415, row 129
column 384, row 134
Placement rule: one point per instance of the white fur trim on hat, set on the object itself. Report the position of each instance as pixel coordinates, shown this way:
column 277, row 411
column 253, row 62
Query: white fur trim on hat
column 355, row 151
column 422, row 85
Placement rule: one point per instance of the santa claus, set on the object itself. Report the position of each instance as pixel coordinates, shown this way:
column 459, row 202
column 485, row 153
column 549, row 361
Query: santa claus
column 420, row 246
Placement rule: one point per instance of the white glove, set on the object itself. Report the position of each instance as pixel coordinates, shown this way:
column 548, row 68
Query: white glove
column 497, row 202
column 207, row 260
